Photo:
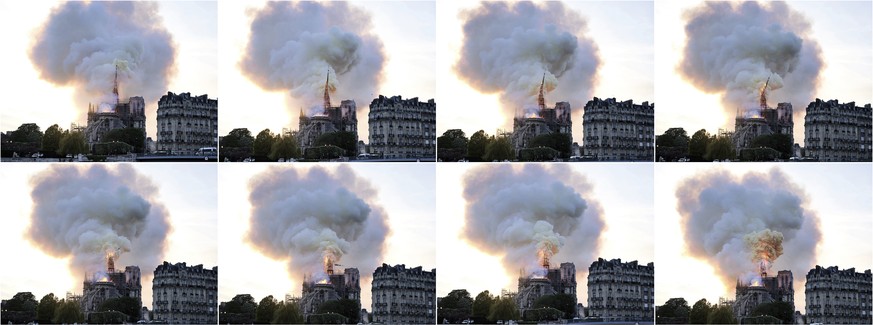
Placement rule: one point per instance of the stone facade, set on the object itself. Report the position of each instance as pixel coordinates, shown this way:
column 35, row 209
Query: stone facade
column 402, row 128
column 835, row 296
column 762, row 121
column 546, row 281
column 403, row 296
column 317, row 290
column 184, row 294
column 331, row 119
column 186, row 123
column 763, row 289
column 108, row 285
column 616, row 130
column 621, row 291
column 838, row 132
column 541, row 120
column 104, row 118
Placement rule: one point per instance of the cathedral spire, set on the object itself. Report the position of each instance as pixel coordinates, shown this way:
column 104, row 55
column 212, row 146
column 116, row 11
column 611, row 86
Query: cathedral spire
column 327, row 91
column 541, row 101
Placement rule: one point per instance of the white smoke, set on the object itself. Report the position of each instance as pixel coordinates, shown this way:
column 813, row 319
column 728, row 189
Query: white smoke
column 521, row 214
column 733, row 48
column 90, row 213
column 81, row 43
column 294, row 44
column 509, row 46
column 719, row 211
column 309, row 216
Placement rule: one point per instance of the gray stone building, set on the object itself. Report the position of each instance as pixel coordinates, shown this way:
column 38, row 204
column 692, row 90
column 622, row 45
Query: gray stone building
column 342, row 118
column 184, row 294
column 838, row 132
column 109, row 285
column 403, row 296
column 546, row 281
column 402, row 128
column 614, row 130
column 763, row 289
column 105, row 117
column 835, row 296
column 533, row 122
column 620, row 292
column 317, row 290
column 186, row 123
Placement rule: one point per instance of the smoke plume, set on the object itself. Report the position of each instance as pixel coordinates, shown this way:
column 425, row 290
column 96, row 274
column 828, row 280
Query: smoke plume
column 82, row 42
column 314, row 217
column 732, row 48
column 91, row 213
column 509, row 46
column 739, row 224
column 527, row 214
column 293, row 45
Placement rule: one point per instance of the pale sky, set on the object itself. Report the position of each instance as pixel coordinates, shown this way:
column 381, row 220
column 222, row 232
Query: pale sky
column 187, row 190
column 405, row 191
column 623, row 190
column 842, row 29
column 191, row 23
column 838, row 193
column 407, row 31
column 622, row 30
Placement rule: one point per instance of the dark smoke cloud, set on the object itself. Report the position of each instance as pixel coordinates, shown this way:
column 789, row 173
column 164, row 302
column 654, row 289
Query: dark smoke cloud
column 87, row 213
column 514, row 212
column 302, row 215
column 733, row 48
column 293, row 44
column 721, row 212
column 508, row 46
column 81, row 43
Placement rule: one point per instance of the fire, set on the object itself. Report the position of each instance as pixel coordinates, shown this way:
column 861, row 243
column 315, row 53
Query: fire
column 323, row 281
column 756, row 282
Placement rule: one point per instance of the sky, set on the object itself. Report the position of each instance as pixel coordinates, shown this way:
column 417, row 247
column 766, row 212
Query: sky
column 838, row 193
column 192, row 25
column 407, row 31
column 842, row 29
column 623, row 190
column 185, row 189
column 623, row 31
column 405, row 191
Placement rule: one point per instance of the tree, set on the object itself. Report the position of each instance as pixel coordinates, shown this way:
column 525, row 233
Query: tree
column 241, row 309
column 266, row 309
column 346, row 307
column 699, row 313
column 720, row 148
column 27, row 132
column 697, row 145
column 72, row 143
column 21, row 309
column 132, row 136
column 52, row 138
column 503, row 309
column 476, row 145
column 782, row 310
column 559, row 141
column 456, row 306
column 721, row 315
column 287, row 313
column 285, row 147
column 672, row 145
column 675, row 307
column 128, row 305
column 343, row 139
column 238, row 138
column 452, row 145
column 68, row 312
column 776, row 141
column 262, row 146
column 45, row 310
column 562, row 302
column 482, row 305
column 499, row 149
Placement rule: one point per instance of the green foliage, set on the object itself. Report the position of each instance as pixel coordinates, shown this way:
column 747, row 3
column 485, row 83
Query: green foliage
column 477, row 145
column 265, row 310
column 112, row 148
column 721, row 315
column 262, row 146
column 697, row 145
column 675, row 307
column 27, row 132
column 135, row 137
column 452, row 145
column 672, row 145
column 503, row 309
column 327, row 319
column 351, row 309
column 68, row 312
column 239, row 310
column 700, row 312
column 287, row 313
column 128, row 305
column 482, row 306
column 285, row 147
column 107, row 317
column 782, row 311
column 21, row 309
column 499, row 149
column 323, row 152
column 542, row 314
column 348, row 141
column 45, row 310
column 558, row 141
column 72, row 143
column 236, row 145
column 537, row 154
column 455, row 307
column 779, row 142
column 52, row 139
column 562, row 302
column 758, row 154
column 721, row 148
